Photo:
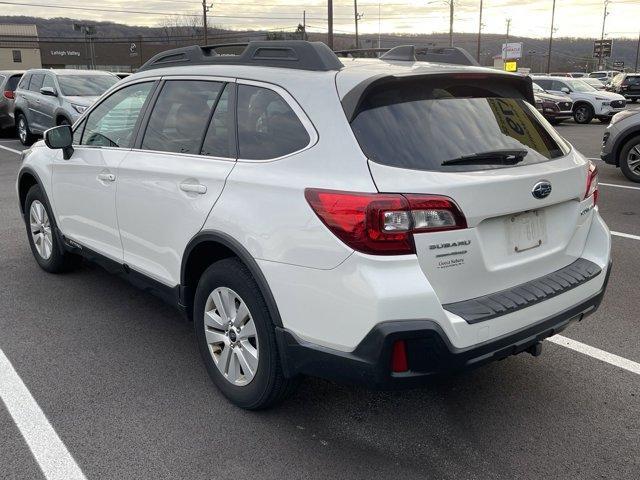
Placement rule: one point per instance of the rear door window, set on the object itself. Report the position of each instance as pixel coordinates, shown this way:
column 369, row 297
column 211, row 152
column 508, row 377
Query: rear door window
column 36, row 82
column 220, row 139
column 267, row 126
column 422, row 124
column 181, row 115
column 546, row 84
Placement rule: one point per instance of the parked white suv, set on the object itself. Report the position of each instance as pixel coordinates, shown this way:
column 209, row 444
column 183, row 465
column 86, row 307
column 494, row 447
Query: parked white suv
column 588, row 102
column 373, row 221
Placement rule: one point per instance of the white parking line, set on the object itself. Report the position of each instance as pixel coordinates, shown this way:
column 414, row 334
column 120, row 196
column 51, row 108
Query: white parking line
column 625, row 235
column 618, row 186
column 12, row 150
column 52, row 456
column 596, row 353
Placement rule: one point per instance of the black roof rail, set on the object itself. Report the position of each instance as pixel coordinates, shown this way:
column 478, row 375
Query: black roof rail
column 411, row 53
column 295, row 54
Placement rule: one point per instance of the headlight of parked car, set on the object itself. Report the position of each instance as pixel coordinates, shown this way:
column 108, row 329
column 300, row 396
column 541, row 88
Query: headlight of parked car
column 79, row 108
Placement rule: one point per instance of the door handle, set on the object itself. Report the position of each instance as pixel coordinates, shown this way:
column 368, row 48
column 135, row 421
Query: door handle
column 107, row 177
column 193, row 188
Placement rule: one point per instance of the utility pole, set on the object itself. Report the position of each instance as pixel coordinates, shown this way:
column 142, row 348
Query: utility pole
column 205, row 9
column 380, row 25
column 553, row 18
column 356, row 17
column 637, row 53
column 451, row 23
column 330, row 24
column 508, row 29
column 604, row 21
column 479, row 33
column 304, row 24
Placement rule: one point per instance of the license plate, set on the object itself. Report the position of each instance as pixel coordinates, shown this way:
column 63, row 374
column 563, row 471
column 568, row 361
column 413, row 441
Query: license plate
column 526, row 231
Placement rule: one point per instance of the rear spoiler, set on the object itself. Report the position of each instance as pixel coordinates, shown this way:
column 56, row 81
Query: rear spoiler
column 353, row 99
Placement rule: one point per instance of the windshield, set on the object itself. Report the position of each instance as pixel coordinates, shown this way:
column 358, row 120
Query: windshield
column 537, row 88
column 579, row 86
column 85, row 85
column 635, row 80
column 420, row 127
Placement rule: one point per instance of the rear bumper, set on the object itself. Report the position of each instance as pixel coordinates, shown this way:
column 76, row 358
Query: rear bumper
column 552, row 115
column 430, row 353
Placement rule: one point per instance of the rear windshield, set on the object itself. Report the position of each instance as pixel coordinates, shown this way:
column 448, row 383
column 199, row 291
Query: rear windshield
column 86, row 86
column 421, row 124
column 12, row 83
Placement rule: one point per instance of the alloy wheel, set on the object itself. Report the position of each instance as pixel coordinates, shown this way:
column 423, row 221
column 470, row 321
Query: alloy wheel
column 231, row 336
column 633, row 159
column 581, row 114
column 40, row 229
column 22, row 130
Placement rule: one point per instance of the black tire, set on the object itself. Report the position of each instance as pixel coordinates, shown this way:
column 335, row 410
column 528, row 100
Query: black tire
column 555, row 121
column 583, row 113
column 59, row 259
column 605, row 120
column 268, row 386
column 633, row 100
column 64, row 121
column 26, row 138
column 632, row 175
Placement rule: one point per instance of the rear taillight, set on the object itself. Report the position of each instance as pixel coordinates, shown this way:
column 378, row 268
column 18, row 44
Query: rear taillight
column 592, row 183
column 8, row 94
column 383, row 224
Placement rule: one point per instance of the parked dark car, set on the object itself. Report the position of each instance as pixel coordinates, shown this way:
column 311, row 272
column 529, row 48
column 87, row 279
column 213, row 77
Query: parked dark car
column 555, row 108
column 8, row 82
column 627, row 84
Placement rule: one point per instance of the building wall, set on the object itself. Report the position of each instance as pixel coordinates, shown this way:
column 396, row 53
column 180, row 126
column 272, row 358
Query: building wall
column 30, row 58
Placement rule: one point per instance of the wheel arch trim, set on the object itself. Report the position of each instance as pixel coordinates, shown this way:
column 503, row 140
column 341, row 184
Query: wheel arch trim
column 621, row 140
column 243, row 254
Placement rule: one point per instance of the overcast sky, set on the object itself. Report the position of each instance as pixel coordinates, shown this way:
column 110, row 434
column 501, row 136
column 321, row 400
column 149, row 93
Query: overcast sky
column 579, row 18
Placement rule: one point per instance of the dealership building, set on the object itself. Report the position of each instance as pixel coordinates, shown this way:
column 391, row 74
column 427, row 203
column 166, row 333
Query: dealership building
column 19, row 47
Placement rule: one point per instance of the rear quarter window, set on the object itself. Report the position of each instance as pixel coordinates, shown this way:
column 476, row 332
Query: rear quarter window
column 268, row 128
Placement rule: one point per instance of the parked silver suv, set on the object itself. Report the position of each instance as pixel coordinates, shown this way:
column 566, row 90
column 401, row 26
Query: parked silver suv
column 47, row 98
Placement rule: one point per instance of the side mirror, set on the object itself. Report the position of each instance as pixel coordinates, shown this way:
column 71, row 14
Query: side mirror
column 51, row 92
column 60, row 138
column 565, row 90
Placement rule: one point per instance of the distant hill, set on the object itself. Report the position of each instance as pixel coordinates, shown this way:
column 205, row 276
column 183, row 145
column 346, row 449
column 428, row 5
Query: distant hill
column 569, row 54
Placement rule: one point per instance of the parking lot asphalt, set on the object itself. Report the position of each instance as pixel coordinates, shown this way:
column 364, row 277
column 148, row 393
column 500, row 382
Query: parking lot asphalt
column 118, row 376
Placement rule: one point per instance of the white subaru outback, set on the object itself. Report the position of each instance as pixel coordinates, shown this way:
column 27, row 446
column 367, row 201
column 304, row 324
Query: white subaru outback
column 377, row 221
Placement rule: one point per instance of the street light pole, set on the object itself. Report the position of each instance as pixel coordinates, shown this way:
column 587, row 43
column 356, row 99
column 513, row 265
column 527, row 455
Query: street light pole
column 479, row 33
column 553, row 18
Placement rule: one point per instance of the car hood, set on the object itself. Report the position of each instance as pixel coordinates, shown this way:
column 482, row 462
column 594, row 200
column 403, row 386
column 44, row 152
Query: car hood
column 82, row 101
column 607, row 95
column 552, row 98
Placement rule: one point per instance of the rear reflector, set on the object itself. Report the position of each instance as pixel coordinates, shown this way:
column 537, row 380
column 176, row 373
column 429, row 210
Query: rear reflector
column 383, row 224
column 399, row 357
column 8, row 94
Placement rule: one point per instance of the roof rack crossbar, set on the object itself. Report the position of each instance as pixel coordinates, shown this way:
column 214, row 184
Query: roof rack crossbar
column 294, row 54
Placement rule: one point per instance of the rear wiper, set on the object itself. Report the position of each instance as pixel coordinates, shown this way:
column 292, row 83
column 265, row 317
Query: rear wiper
column 494, row 157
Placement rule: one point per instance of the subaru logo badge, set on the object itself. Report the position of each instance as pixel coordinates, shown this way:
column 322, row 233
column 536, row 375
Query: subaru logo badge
column 541, row 189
